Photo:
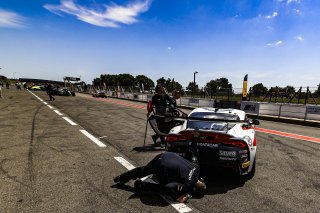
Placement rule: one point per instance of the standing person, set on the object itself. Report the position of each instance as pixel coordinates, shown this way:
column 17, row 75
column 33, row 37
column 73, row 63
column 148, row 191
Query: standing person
column 8, row 85
column 1, row 89
column 49, row 92
column 175, row 96
column 160, row 101
column 177, row 177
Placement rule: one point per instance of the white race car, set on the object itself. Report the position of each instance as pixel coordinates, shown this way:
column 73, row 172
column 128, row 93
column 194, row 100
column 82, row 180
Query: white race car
column 216, row 137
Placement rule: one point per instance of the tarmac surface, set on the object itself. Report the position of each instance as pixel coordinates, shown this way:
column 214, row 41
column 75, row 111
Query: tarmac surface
column 47, row 163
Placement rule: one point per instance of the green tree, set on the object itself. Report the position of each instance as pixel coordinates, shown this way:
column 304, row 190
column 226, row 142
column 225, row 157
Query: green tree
column 177, row 86
column 142, row 79
column 215, row 85
column 218, row 83
column 193, row 87
column 109, row 80
column 289, row 91
column 125, row 80
column 97, row 82
column 169, row 84
column 259, row 90
column 317, row 92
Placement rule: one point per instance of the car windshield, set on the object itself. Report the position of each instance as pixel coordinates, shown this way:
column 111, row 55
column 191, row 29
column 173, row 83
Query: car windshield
column 211, row 125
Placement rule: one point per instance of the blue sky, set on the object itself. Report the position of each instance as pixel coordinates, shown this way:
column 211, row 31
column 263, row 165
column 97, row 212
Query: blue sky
column 276, row 42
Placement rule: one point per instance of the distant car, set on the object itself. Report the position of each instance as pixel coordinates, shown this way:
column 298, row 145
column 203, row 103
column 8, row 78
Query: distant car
column 36, row 88
column 100, row 94
column 218, row 137
column 62, row 92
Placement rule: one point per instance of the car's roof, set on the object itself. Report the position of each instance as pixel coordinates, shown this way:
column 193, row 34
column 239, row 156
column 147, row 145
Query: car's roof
column 241, row 114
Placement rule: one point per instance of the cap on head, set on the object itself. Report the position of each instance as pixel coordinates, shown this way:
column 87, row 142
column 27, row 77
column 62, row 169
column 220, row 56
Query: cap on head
column 158, row 88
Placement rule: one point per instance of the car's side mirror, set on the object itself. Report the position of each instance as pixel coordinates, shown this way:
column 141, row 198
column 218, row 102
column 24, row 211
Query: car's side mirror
column 254, row 122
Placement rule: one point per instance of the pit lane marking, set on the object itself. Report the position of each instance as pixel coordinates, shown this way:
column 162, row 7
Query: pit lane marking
column 288, row 135
column 69, row 121
column 180, row 207
column 58, row 112
column 91, row 137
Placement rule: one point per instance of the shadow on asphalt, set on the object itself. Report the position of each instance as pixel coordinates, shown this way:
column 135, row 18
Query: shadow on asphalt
column 147, row 198
column 149, row 148
column 220, row 181
column 123, row 187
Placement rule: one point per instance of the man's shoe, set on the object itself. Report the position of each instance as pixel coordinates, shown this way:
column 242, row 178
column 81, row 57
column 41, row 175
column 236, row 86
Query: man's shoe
column 138, row 186
column 120, row 179
column 117, row 179
column 154, row 138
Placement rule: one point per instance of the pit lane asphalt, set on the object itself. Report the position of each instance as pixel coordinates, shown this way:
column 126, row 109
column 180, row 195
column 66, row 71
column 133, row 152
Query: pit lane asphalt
column 47, row 165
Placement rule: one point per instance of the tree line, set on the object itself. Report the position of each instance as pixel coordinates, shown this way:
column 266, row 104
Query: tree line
column 128, row 80
column 213, row 86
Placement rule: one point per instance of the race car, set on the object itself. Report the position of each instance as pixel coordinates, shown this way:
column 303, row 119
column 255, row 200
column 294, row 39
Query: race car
column 216, row 138
column 34, row 88
column 99, row 94
column 62, row 92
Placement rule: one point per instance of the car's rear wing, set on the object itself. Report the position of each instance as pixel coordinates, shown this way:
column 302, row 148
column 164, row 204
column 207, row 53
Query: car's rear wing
column 152, row 120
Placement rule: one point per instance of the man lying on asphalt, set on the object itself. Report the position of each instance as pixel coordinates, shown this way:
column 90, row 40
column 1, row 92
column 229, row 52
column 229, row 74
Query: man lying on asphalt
column 177, row 177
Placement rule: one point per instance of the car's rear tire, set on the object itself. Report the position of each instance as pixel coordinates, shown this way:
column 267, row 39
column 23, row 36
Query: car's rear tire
column 250, row 175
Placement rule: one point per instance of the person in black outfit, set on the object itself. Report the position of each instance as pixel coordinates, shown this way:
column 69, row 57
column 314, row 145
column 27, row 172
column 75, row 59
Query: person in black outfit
column 49, row 92
column 177, row 177
column 161, row 101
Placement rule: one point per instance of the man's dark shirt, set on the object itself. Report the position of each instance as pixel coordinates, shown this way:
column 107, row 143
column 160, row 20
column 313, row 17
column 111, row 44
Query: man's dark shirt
column 49, row 88
column 161, row 102
column 176, row 174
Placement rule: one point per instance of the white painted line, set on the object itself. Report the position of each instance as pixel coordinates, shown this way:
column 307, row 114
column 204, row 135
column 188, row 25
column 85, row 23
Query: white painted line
column 91, row 137
column 69, row 121
column 50, row 106
column 45, row 103
column 125, row 163
column 58, row 112
column 180, row 207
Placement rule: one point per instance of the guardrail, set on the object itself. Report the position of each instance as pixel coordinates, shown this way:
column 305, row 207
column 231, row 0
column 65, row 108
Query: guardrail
column 297, row 111
column 276, row 110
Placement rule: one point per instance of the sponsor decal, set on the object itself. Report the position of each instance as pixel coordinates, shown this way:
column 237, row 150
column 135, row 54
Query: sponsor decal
column 227, row 153
column 191, row 173
column 248, row 139
column 313, row 110
column 246, row 164
column 227, row 158
column 244, row 155
column 245, row 87
column 250, row 107
column 210, row 145
column 243, row 151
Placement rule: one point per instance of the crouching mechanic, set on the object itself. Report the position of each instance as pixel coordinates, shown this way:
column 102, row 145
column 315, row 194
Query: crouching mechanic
column 177, row 177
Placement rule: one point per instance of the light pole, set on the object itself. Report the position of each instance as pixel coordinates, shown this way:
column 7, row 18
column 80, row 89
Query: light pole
column 194, row 82
column 13, row 74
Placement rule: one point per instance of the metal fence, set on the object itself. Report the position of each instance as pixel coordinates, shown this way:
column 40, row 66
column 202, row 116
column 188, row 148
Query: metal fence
column 300, row 95
column 279, row 110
